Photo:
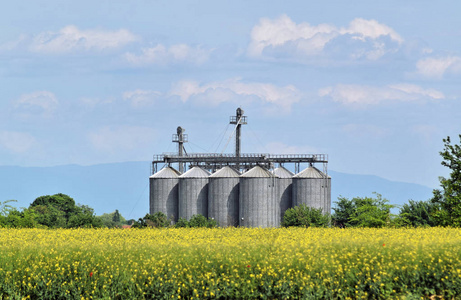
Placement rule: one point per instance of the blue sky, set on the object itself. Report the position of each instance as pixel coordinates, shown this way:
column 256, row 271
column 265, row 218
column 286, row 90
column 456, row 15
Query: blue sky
column 373, row 84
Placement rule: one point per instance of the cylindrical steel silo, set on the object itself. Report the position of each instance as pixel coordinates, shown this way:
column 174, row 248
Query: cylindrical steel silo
column 193, row 193
column 284, row 193
column 312, row 188
column 257, row 201
column 223, row 197
column 163, row 195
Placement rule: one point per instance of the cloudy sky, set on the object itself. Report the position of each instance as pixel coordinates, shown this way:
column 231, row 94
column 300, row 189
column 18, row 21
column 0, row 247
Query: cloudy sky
column 376, row 85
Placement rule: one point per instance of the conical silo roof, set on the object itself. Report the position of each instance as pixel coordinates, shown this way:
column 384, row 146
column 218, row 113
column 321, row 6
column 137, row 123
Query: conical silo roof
column 225, row 172
column 167, row 172
column 258, row 172
column 310, row 172
column 196, row 172
column 281, row 172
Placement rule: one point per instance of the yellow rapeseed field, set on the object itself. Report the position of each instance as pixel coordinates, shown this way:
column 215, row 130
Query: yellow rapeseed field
column 232, row 263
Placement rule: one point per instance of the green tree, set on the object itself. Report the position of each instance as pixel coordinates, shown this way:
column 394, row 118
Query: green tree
column 107, row 219
column 50, row 216
column 362, row 212
column 116, row 216
column 5, row 207
column 62, row 202
column 416, row 214
column 305, row 216
column 60, row 210
column 343, row 212
column 84, row 217
column 12, row 217
column 140, row 223
column 20, row 219
column 447, row 211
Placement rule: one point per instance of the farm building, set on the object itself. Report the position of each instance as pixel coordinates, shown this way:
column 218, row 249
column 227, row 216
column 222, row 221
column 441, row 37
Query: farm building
column 250, row 190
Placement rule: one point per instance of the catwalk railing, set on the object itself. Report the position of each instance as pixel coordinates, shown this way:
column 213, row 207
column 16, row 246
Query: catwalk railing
column 213, row 161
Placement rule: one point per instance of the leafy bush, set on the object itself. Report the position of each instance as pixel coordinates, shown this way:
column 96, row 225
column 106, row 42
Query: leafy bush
column 196, row 221
column 182, row 223
column 305, row 216
column 416, row 214
column 362, row 212
column 158, row 219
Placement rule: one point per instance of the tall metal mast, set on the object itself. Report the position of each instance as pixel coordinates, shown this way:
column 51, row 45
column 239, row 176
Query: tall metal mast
column 239, row 119
column 180, row 138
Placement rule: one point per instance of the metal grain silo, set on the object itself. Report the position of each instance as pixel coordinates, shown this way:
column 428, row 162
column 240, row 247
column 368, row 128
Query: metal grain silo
column 223, row 197
column 312, row 188
column 257, row 201
column 284, row 190
column 193, row 193
column 163, row 196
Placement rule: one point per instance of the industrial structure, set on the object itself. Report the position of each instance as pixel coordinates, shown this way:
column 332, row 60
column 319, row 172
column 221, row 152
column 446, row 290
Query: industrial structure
column 251, row 190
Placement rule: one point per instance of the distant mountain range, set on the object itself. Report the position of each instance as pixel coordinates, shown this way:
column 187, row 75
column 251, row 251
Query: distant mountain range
column 125, row 186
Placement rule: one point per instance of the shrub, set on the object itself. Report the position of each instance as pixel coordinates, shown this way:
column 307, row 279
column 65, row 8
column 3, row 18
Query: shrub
column 417, row 213
column 158, row 219
column 182, row 223
column 362, row 212
column 196, row 221
column 201, row 221
column 305, row 216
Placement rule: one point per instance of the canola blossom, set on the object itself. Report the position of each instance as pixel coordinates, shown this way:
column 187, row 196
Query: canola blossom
column 231, row 263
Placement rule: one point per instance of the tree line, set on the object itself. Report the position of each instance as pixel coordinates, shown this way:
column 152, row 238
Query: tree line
column 443, row 209
column 56, row 211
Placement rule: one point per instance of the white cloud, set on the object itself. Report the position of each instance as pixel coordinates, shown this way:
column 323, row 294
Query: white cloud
column 162, row 55
column 362, row 29
column 141, row 98
column 16, row 142
column 233, row 90
column 437, row 67
column 283, row 36
column 121, row 139
column 358, row 95
column 37, row 104
column 414, row 92
column 71, row 38
column 282, row 30
column 91, row 102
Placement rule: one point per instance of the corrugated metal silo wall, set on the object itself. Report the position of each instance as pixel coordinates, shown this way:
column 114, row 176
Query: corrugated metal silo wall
column 257, row 203
column 313, row 192
column 193, row 197
column 164, row 197
column 325, row 195
column 223, row 201
column 285, row 196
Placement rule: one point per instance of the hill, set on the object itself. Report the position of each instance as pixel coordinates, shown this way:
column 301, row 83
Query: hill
column 125, row 186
